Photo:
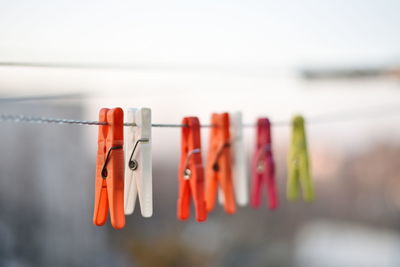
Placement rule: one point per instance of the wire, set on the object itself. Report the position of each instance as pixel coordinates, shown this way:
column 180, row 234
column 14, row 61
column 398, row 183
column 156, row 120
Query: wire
column 136, row 66
column 115, row 66
column 41, row 97
column 70, row 65
column 366, row 113
column 33, row 119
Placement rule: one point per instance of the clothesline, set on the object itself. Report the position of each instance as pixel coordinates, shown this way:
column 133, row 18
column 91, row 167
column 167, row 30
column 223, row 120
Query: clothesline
column 120, row 66
column 42, row 97
column 96, row 66
column 349, row 115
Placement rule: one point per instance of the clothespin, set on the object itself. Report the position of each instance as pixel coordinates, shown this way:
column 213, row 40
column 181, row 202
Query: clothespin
column 239, row 168
column 109, row 189
column 191, row 172
column 219, row 164
column 263, row 166
column 298, row 164
column 240, row 176
column 138, row 168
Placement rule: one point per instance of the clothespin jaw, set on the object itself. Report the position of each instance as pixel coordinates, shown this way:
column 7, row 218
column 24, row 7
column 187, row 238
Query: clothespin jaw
column 138, row 166
column 298, row 164
column 191, row 172
column 109, row 188
column 219, row 164
column 263, row 166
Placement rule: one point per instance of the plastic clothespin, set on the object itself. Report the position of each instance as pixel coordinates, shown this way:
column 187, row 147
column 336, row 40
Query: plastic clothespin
column 239, row 170
column 219, row 164
column 298, row 164
column 109, row 188
column 138, row 168
column 263, row 166
column 240, row 176
column 191, row 172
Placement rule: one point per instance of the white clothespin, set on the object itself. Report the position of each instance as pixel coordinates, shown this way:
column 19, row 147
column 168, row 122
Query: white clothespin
column 240, row 175
column 239, row 170
column 138, row 165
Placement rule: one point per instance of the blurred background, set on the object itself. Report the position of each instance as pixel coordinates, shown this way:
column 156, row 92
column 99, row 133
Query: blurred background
column 335, row 62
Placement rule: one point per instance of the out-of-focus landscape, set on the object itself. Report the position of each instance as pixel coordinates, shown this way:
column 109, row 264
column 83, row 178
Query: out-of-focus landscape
column 335, row 62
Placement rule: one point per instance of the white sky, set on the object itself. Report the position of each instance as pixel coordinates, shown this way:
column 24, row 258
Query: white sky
column 231, row 55
column 255, row 32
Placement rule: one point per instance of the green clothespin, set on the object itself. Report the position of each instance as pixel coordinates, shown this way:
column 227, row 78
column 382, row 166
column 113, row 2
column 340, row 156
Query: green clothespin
column 299, row 177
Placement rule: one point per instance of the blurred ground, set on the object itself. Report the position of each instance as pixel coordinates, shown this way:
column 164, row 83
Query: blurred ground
column 46, row 201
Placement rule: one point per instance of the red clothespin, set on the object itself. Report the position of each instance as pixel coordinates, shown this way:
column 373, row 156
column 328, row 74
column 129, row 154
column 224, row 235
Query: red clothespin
column 263, row 166
column 219, row 164
column 191, row 172
column 110, row 169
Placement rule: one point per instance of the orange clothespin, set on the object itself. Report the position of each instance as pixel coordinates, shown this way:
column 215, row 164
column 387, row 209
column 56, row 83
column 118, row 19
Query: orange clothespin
column 109, row 191
column 191, row 172
column 219, row 165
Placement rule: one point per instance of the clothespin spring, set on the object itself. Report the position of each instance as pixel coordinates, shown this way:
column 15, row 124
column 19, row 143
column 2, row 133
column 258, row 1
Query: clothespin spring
column 187, row 172
column 261, row 152
column 104, row 171
column 132, row 162
column 215, row 165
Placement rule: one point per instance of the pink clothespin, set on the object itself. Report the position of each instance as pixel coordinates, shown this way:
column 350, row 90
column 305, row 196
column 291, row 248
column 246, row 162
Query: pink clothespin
column 263, row 166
